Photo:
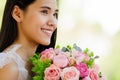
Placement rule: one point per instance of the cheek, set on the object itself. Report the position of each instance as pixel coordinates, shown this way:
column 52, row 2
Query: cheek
column 36, row 20
column 32, row 28
column 33, row 22
column 32, row 25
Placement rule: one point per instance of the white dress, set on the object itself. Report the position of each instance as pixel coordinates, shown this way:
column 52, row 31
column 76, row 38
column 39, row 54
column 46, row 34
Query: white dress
column 11, row 54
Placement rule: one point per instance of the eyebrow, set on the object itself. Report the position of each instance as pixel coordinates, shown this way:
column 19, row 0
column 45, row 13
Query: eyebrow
column 46, row 7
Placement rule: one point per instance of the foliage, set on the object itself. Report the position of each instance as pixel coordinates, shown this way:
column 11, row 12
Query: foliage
column 39, row 66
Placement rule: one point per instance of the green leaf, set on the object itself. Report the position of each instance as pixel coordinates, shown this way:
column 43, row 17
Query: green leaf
column 37, row 78
column 35, row 57
column 90, row 63
column 69, row 47
column 100, row 74
column 58, row 47
column 77, row 47
column 39, row 66
column 96, row 57
column 64, row 49
column 86, row 51
column 91, row 54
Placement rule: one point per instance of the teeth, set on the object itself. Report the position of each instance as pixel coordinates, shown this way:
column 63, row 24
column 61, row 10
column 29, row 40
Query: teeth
column 46, row 31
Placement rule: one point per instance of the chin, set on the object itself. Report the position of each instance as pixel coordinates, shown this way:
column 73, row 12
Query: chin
column 46, row 43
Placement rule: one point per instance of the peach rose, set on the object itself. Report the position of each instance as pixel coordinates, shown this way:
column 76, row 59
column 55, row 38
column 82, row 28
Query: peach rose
column 70, row 73
column 52, row 73
column 60, row 60
column 72, row 61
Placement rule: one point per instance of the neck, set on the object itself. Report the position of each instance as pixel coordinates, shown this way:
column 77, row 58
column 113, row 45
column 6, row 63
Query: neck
column 26, row 50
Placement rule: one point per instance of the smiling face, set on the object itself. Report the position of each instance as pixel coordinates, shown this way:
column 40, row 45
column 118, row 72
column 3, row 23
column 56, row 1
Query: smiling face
column 38, row 22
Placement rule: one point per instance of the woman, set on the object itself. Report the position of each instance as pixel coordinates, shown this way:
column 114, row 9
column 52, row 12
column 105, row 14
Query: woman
column 28, row 26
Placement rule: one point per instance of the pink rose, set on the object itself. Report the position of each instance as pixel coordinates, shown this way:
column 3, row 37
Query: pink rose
column 93, row 75
column 75, row 53
column 80, row 56
column 58, row 51
column 83, row 69
column 97, row 70
column 60, row 60
column 70, row 73
column 67, row 54
column 48, row 53
column 52, row 73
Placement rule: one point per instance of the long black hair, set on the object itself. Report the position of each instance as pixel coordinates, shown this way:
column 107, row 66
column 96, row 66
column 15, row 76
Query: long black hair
column 9, row 31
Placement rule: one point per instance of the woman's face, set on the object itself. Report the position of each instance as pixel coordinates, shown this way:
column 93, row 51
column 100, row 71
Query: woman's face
column 39, row 22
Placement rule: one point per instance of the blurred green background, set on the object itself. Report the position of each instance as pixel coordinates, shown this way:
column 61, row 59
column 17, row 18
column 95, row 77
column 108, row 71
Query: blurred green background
column 94, row 24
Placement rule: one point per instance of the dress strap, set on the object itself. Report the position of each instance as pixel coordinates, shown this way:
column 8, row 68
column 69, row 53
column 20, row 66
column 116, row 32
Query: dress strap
column 13, row 48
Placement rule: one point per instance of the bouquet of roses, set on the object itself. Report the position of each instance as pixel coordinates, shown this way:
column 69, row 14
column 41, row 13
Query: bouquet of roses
column 67, row 63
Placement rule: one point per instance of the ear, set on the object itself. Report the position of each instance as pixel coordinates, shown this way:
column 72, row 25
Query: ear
column 17, row 13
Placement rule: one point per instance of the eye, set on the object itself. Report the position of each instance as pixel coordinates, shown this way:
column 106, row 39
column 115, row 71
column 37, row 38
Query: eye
column 55, row 15
column 44, row 12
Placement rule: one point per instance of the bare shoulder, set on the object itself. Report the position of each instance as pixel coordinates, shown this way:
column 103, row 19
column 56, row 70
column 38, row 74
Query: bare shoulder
column 9, row 71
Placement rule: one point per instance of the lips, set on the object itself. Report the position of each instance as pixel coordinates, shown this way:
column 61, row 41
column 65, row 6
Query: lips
column 46, row 31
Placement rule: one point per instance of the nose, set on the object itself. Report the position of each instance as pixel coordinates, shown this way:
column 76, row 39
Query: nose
column 52, row 22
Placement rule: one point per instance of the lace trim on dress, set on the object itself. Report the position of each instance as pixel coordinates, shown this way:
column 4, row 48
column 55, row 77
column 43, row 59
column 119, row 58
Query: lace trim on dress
column 4, row 59
column 10, row 54
column 7, row 55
